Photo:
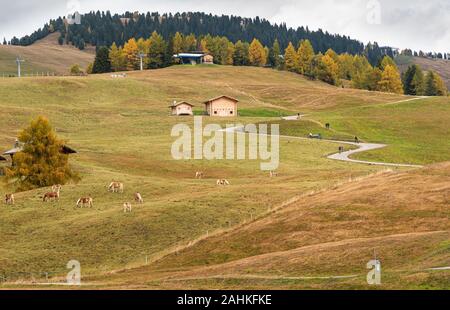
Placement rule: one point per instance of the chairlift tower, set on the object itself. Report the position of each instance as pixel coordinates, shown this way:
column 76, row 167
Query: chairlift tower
column 141, row 57
column 18, row 62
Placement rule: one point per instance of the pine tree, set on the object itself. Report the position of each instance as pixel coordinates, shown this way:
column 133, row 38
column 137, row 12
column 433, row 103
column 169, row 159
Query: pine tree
column 290, row 58
column 157, row 48
column 40, row 163
column 413, row 81
column 390, row 80
column 305, row 57
column 101, row 62
column 4, row 41
column 274, row 55
column 240, row 57
column 434, row 85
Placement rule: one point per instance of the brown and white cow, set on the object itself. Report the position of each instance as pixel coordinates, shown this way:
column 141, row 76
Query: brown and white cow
column 126, row 207
column 273, row 174
column 223, row 182
column 115, row 187
column 199, row 175
column 138, row 198
column 85, row 201
column 9, row 199
column 51, row 196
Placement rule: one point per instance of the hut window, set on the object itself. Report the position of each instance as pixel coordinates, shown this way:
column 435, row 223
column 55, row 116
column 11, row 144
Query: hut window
column 231, row 112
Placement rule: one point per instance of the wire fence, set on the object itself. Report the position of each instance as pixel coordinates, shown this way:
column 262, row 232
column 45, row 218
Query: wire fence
column 34, row 277
column 37, row 74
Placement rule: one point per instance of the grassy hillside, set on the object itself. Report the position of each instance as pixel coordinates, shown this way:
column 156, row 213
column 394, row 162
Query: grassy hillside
column 441, row 66
column 45, row 55
column 401, row 216
column 121, row 129
column 416, row 131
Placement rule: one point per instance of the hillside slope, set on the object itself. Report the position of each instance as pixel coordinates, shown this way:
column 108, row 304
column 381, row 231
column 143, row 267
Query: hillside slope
column 45, row 55
column 121, row 129
column 441, row 66
column 404, row 217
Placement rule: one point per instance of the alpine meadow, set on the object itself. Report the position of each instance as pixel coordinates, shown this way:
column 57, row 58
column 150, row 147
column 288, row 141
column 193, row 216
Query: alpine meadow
column 357, row 196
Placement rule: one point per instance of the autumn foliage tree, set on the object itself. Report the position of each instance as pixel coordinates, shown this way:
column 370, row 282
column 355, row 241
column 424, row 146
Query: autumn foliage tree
column 117, row 58
column 290, row 58
column 328, row 70
column 434, row 85
column 390, row 80
column 40, row 163
column 257, row 54
column 305, row 57
column 131, row 51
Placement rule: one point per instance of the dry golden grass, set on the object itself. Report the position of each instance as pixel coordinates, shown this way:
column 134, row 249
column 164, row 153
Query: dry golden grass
column 45, row 55
column 403, row 216
column 121, row 129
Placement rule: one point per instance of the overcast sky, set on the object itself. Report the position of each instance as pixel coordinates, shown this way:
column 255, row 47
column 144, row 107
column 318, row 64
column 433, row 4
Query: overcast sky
column 420, row 25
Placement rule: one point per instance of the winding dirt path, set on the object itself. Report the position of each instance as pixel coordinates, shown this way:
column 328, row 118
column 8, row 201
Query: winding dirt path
column 344, row 156
column 364, row 147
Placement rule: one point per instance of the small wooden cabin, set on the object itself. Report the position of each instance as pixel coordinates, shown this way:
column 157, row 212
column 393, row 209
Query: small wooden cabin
column 182, row 109
column 18, row 147
column 223, row 106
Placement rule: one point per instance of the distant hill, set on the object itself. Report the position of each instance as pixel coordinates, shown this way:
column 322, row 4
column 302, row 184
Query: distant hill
column 44, row 55
column 441, row 66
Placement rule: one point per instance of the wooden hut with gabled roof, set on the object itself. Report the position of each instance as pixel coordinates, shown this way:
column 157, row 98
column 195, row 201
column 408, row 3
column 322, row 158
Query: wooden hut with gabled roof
column 182, row 108
column 222, row 106
column 18, row 147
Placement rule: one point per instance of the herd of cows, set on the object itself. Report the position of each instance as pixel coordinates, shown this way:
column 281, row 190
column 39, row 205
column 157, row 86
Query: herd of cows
column 114, row 187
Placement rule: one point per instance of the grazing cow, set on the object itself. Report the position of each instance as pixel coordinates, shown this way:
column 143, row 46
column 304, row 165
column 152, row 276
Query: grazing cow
column 115, row 187
column 56, row 188
column 126, row 207
column 9, row 199
column 223, row 182
column 199, row 175
column 51, row 196
column 273, row 174
column 85, row 201
column 138, row 198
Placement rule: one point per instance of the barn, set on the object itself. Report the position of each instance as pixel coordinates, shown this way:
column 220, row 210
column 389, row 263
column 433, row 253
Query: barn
column 181, row 109
column 18, row 147
column 223, row 106
column 195, row 58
